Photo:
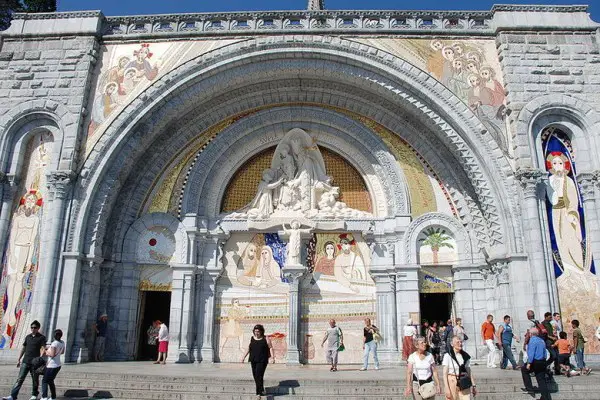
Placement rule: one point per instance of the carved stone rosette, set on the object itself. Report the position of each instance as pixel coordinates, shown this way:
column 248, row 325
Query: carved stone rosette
column 59, row 182
column 530, row 179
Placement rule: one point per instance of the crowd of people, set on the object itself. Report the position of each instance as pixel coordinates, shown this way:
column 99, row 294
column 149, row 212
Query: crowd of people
column 546, row 351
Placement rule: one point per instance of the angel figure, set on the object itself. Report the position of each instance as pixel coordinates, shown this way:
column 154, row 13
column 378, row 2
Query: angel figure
column 262, row 205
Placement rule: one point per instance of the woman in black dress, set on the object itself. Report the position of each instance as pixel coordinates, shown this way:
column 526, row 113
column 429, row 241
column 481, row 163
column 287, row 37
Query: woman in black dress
column 260, row 350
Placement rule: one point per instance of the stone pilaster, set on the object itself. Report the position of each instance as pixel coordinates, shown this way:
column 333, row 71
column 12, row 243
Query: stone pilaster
column 59, row 186
column 80, row 352
column 470, row 300
column 407, row 297
column 207, row 328
column 181, row 318
column 588, row 183
column 543, row 283
column 8, row 187
column 385, row 284
column 294, row 273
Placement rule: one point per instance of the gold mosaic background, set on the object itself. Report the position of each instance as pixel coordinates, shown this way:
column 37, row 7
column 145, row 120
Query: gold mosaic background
column 242, row 188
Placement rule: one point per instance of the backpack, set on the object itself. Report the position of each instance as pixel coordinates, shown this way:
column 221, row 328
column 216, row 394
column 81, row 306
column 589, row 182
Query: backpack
column 543, row 332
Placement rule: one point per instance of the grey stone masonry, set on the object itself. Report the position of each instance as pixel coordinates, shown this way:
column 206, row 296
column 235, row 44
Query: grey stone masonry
column 49, row 59
column 539, row 63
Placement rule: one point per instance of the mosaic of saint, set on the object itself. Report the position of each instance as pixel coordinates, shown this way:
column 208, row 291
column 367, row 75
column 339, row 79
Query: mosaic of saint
column 21, row 258
column 252, row 290
column 578, row 286
column 469, row 68
column 338, row 286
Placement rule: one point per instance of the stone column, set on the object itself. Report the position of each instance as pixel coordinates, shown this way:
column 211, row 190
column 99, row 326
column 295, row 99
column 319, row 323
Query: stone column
column 386, row 314
column 8, row 186
column 206, row 330
column 59, row 185
column 538, row 249
column 407, row 297
column 80, row 352
column 469, row 297
column 181, row 319
column 294, row 273
column 587, row 183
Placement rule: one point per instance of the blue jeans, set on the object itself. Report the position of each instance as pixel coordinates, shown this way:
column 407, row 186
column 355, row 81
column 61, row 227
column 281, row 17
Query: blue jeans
column 370, row 347
column 23, row 371
column 579, row 358
column 507, row 355
column 48, row 380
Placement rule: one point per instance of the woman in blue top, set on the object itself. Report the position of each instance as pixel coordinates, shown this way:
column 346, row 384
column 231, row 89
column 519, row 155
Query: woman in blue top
column 505, row 337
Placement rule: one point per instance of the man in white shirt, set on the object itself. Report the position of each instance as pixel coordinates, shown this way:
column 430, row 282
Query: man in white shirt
column 556, row 324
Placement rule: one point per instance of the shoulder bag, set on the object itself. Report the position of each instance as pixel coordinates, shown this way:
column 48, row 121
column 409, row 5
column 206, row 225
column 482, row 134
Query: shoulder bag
column 464, row 379
column 427, row 388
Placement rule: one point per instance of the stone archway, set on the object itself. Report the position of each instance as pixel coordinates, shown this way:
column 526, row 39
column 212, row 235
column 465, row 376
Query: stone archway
column 435, row 93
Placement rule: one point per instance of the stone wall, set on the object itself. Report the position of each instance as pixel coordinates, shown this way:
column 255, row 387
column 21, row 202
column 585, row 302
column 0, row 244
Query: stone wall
column 56, row 67
column 540, row 63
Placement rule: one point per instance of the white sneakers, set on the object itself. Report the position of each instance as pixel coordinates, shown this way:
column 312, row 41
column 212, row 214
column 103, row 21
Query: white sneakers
column 7, row 398
column 33, row 398
column 363, row 369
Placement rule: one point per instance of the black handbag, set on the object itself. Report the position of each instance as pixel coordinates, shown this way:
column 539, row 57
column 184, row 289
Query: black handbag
column 38, row 365
column 464, row 379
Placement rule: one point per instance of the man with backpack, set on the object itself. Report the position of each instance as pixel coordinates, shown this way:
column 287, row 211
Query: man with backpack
column 551, row 338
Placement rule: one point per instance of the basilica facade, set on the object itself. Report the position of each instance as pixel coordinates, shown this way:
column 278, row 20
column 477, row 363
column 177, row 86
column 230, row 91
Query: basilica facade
column 215, row 171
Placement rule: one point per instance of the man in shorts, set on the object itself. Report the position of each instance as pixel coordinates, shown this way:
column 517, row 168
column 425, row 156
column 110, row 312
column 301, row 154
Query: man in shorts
column 334, row 338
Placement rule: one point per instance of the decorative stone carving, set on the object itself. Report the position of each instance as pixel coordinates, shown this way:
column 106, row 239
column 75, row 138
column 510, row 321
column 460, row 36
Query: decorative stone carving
column 297, row 185
column 295, row 243
column 59, row 182
column 587, row 182
column 495, row 274
column 530, row 180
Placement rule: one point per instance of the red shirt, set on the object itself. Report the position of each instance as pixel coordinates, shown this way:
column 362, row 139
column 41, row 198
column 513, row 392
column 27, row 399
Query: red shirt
column 488, row 330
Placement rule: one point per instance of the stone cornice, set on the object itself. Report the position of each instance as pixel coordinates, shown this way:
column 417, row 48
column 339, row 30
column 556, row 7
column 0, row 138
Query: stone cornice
column 59, row 15
column 538, row 8
column 419, row 22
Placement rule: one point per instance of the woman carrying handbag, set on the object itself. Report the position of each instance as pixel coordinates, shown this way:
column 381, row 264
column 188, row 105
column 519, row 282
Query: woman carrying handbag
column 458, row 378
column 422, row 381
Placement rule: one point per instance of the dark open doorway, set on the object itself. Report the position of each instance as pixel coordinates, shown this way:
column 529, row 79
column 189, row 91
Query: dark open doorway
column 436, row 306
column 153, row 306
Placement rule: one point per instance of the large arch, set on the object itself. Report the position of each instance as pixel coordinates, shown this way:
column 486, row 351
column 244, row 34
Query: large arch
column 396, row 81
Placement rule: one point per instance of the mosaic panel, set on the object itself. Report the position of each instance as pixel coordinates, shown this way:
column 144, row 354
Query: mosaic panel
column 339, row 287
column 21, row 258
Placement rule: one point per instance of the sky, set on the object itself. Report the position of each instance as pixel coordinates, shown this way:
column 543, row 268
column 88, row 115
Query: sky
column 133, row 7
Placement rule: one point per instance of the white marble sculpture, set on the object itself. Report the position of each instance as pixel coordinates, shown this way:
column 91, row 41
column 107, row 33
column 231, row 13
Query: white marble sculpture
column 295, row 242
column 297, row 185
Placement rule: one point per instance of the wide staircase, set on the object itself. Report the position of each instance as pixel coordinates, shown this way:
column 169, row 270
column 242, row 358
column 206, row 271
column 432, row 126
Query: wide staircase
column 131, row 381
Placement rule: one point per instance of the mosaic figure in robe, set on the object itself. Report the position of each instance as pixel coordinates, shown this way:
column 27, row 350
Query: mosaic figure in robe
column 564, row 198
column 22, row 243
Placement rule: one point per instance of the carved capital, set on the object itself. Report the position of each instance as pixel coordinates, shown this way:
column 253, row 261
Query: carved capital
column 530, row 179
column 588, row 182
column 293, row 275
column 495, row 274
column 59, row 182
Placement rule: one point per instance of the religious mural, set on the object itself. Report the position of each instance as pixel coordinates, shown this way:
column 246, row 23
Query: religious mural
column 577, row 280
column 21, row 257
column 252, row 291
column 469, row 68
column 338, row 286
column 128, row 69
column 436, row 247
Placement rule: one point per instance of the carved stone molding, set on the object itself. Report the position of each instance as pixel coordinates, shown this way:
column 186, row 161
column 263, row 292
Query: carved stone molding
column 530, row 179
column 59, row 182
